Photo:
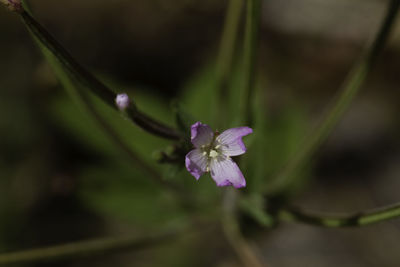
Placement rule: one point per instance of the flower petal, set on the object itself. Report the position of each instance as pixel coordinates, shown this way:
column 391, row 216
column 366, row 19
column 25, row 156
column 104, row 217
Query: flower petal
column 196, row 163
column 231, row 141
column 226, row 172
column 202, row 134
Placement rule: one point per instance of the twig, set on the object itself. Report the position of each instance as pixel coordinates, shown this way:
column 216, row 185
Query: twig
column 88, row 248
column 353, row 220
column 82, row 98
column 116, row 139
column 90, row 81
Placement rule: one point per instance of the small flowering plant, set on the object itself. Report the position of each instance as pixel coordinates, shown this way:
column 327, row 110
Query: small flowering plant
column 213, row 153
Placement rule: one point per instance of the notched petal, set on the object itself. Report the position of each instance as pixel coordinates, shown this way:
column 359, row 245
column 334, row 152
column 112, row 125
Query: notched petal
column 226, row 172
column 231, row 140
column 201, row 134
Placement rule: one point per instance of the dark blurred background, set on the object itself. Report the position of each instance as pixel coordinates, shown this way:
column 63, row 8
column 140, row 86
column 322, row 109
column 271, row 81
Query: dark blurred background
column 52, row 189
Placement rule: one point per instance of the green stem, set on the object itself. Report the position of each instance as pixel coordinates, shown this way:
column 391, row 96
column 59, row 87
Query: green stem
column 340, row 104
column 231, row 229
column 81, row 97
column 356, row 219
column 225, row 56
column 115, row 138
column 90, row 81
column 250, row 55
column 87, row 248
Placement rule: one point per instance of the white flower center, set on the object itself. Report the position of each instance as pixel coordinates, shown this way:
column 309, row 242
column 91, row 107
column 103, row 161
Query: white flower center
column 213, row 153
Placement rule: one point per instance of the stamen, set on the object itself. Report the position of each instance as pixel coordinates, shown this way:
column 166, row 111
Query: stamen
column 213, row 153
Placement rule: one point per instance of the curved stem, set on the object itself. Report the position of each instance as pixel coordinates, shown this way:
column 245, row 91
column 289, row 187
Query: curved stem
column 250, row 55
column 115, row 138
column 81, row 97
column 340, row 104
column 356, row 219
column 88, row 248
column 91, row 82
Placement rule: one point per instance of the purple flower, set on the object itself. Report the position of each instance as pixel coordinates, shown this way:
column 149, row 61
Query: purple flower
column 213, row 151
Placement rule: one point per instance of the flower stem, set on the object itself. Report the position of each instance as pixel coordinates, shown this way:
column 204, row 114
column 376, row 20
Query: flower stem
column 88, row 248
column 253, row 18
column 90, row 81
column 231, row 229
column 353, row 220
column 349, row 89
column 116, row 139
column 81, row 97
column 225, row 56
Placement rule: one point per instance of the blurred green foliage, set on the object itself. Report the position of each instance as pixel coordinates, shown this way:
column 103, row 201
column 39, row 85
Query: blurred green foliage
column 104, row 182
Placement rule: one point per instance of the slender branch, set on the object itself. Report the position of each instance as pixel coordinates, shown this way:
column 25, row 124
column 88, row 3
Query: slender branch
column 91, row 82
column 88, row 248
column 349, row 89
column 82, row 98
column 225, row 56
column 231, row 229
column 116, row 139
column 352, row 220
column 250, row 55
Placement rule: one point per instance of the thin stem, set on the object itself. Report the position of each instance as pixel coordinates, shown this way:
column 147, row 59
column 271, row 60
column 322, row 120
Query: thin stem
column 82, row 98
column 225, row 56
column 91, row 82
column 88, row 248
column 231, row 229
column 352, row 220
column 115, row 138
column 346, row 94
column 250, row 55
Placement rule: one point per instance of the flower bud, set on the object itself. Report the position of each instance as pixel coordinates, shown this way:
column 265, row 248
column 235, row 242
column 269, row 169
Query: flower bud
column 122, row 101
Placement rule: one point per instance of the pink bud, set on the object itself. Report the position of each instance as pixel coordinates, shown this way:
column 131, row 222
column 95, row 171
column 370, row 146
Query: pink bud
column 122, row 101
